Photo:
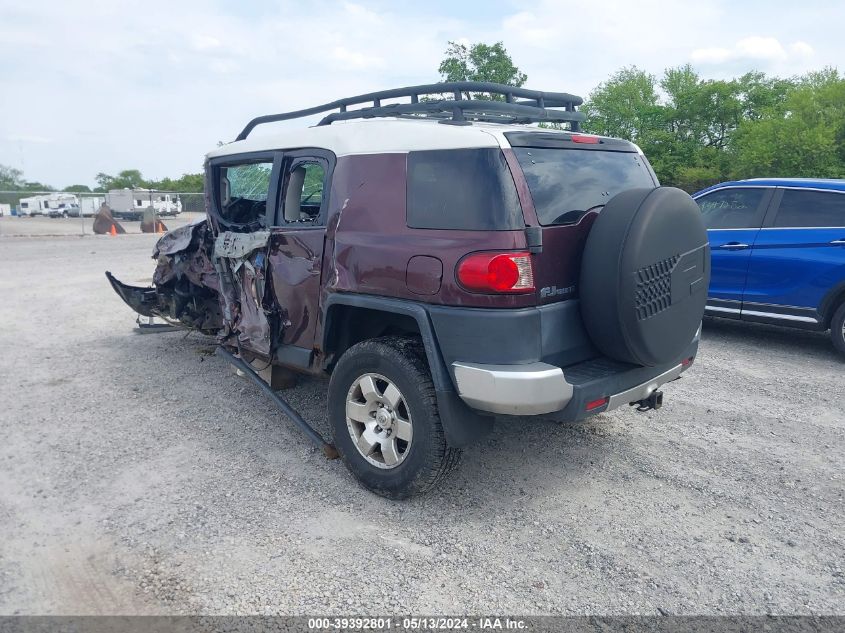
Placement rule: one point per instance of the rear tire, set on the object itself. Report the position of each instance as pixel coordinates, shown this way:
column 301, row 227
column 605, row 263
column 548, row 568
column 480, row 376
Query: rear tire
column 382, row 399
column 837, row 329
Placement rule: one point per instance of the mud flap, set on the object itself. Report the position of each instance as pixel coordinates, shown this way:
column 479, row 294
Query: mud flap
column 143, row 300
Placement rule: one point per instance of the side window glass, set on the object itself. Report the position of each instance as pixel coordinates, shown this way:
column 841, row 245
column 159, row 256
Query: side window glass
column 811, row 209
column 732, row 208
column 243, row 192
column 304, row 192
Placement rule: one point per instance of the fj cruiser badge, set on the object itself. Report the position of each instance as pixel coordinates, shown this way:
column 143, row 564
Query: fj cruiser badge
column 554, row 291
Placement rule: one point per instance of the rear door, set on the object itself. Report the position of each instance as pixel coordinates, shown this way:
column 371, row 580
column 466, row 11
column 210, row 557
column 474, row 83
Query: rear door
column 295, row 255
column 732, row 216
column 798, row 256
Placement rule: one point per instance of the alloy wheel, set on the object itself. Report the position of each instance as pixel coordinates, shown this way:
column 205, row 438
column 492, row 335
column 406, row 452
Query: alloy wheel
column 379, row 420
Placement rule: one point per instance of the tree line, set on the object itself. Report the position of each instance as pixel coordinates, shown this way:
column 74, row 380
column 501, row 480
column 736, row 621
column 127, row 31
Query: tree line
column 695, row 131
column 12, row 179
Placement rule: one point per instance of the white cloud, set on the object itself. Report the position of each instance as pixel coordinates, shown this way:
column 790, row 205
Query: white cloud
column 767, row 48
column 223, row 66
column 711, row 55
column 203, row 42
column 755, row 48
column 29, row 138
column 526, row 25
column 356, row 59
column 801, row 49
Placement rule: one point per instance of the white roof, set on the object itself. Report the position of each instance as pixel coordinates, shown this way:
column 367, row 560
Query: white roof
column 377, row 136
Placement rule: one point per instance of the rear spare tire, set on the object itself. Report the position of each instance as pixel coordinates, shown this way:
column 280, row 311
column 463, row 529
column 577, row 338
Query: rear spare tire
column 644, row 276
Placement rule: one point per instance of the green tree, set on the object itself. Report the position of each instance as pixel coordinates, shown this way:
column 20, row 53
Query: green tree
column 77, row 189
column 804, row 136
column 126, row 179
column 763, row 96
column 625, row 106
column 11, row 179
column 188, row 183
column 480, row 62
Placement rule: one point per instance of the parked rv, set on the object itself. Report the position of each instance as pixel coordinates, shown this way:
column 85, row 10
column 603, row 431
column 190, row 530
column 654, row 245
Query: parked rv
column 130, row 204
column 52, row 204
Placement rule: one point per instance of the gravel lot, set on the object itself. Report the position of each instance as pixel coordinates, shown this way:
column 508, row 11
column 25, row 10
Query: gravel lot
column 138, row 474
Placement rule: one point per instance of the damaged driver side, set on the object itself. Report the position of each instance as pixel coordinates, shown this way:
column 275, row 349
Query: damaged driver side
column 217, row 281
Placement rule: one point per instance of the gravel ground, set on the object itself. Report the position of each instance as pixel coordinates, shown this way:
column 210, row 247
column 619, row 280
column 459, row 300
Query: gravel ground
column 138, row 474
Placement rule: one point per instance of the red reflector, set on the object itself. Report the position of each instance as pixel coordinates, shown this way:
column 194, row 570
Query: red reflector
column 583, row 138
column 497, row 272
column 595, row 404
column 687, row 362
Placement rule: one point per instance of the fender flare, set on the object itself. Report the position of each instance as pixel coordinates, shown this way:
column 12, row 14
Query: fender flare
column 461, row 424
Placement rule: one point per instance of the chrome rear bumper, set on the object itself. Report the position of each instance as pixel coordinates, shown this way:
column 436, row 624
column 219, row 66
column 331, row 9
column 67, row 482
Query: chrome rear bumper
column 538, row 388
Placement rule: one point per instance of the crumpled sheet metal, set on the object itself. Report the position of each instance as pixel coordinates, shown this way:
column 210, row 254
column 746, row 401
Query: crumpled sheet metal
column 178, row 239
column 238, row 245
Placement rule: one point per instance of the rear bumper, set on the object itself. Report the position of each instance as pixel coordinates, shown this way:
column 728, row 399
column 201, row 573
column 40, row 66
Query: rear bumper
column 531, row 389
column 543, row 389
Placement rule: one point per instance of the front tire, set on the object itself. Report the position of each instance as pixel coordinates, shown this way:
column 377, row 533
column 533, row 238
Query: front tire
column 384, row 418
column 837, row 329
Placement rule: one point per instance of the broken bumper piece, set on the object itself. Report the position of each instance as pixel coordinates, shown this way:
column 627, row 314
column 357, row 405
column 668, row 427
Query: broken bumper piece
column 143, row 300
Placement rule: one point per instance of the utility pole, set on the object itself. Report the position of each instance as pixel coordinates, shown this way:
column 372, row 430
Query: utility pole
column 81, row 214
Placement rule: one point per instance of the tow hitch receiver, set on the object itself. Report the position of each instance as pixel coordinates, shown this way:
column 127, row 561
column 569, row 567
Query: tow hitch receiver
column 654, row 401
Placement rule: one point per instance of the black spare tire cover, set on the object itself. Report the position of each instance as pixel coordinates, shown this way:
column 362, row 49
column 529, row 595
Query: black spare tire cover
column 644, row 276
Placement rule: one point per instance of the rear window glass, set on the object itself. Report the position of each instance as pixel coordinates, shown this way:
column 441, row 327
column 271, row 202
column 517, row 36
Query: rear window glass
column 811, row 209
column 566, row 183
column 468, row 189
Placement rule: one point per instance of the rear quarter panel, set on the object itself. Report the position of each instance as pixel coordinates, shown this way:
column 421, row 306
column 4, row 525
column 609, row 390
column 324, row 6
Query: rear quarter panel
column 371, row 244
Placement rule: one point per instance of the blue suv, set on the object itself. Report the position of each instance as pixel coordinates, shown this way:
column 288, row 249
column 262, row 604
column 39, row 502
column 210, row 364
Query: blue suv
column 778, row 252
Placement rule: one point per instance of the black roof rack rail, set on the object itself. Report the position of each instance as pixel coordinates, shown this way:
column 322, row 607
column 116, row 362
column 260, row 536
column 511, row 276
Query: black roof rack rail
column 520, row 105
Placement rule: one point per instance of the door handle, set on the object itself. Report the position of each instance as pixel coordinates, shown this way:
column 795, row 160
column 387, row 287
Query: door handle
column 838, row 242
column 734, row 246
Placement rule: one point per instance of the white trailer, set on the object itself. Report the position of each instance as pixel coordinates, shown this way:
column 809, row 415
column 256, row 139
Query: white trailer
column 88, row 206
column 48, row 203
column 130, row 204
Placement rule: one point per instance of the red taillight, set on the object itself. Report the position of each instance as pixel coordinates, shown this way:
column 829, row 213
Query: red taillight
column 595, row 404
column 497, row 272
column 584, row 138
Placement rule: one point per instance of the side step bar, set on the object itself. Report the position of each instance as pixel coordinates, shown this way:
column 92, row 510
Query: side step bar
column 328, row 450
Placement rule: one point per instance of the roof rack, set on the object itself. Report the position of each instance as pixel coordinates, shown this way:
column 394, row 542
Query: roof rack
column 519, row 105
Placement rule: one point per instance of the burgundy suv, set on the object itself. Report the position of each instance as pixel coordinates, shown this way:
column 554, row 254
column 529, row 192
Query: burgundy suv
column 447, row 262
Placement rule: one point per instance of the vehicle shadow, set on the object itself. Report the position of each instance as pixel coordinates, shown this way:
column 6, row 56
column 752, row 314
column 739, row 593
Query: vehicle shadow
column 520, row 458
column 773, row 337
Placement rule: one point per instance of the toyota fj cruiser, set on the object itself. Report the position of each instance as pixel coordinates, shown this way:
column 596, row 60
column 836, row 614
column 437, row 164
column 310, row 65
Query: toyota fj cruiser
column 446, row 261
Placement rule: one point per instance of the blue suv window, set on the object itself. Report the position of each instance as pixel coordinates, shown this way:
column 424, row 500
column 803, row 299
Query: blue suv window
column 803, row 209
column 731, row 208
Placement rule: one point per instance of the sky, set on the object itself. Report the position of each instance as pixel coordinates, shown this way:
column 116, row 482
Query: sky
column 88, row 87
